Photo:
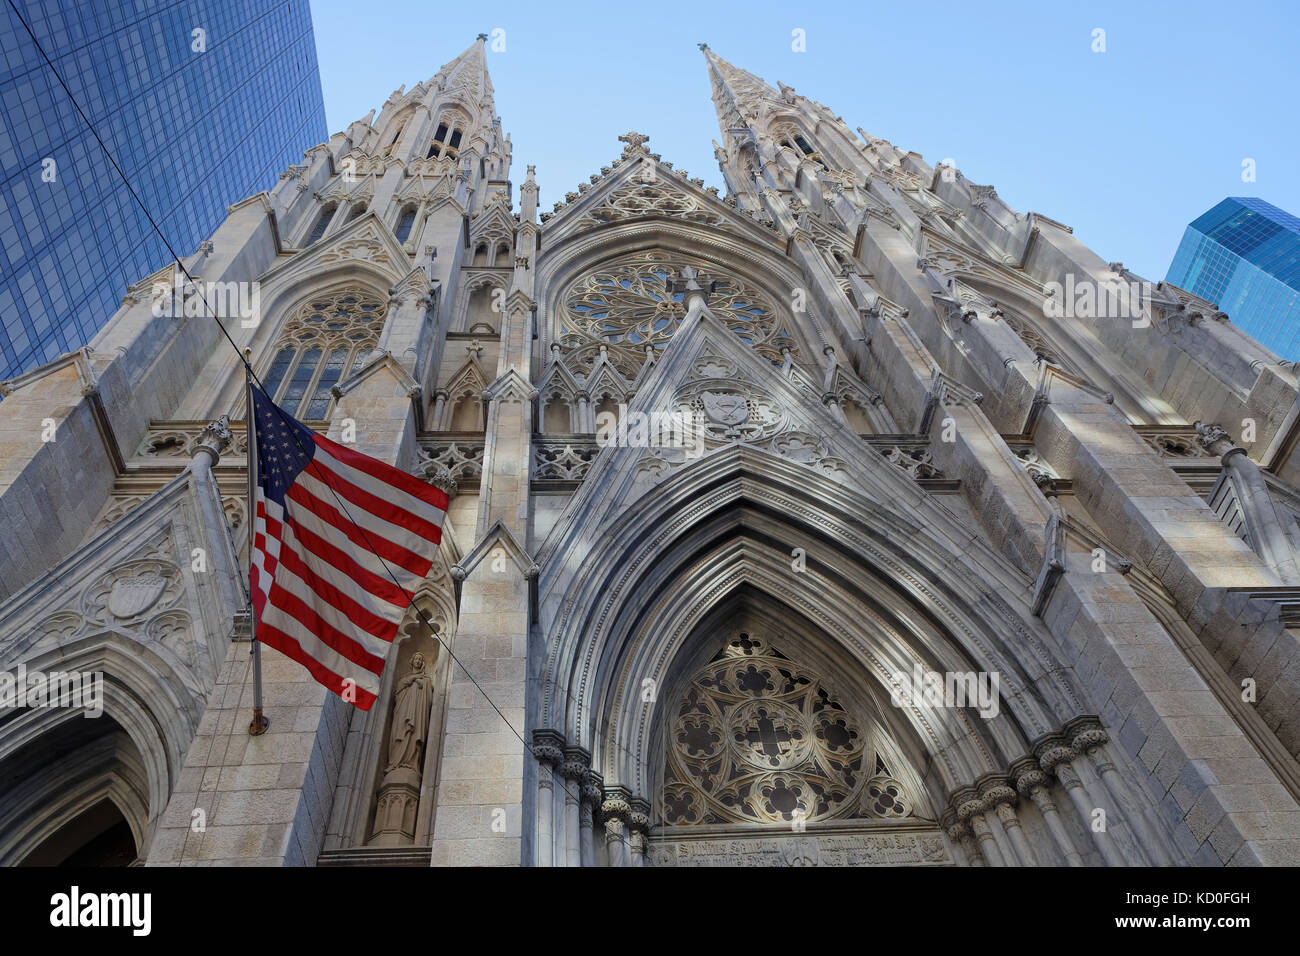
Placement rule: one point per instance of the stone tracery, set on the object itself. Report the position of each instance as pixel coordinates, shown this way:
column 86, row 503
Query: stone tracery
column 328, row 337
column 758, row 738
column 629, row 306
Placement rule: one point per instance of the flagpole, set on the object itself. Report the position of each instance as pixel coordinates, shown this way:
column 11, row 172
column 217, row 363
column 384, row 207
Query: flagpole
column 259, row 723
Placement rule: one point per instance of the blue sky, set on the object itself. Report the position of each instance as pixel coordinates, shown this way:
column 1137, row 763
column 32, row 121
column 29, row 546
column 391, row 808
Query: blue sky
column 1126, row 146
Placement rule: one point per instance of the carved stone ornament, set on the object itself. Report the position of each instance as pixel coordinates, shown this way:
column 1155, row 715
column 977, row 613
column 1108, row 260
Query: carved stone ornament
column 727, row 413
column 758, row 738
column 131, row 597
column 725, row 408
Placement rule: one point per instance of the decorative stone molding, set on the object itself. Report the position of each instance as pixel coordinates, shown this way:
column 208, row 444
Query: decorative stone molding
column 548, row 747
column 593, row 789
column 461, row 459
column 1054, row 754
column 575, row 766
column 1173, row 442
column 214, row 438
column 944, row 392
column 562, row 460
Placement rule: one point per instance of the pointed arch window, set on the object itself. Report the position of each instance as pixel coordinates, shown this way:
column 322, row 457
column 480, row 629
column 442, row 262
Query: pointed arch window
column 794, row 140
column 326, row 339
column 404, row 224
column 322, row 223
column 447, row 137
column 402, row 120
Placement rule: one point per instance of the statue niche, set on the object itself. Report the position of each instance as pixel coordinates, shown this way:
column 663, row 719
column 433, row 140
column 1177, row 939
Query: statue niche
column 403, row 768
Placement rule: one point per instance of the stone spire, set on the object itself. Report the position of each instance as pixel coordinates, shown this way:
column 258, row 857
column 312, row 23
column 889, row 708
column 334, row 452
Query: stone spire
column 468, row 71
column 739, row 96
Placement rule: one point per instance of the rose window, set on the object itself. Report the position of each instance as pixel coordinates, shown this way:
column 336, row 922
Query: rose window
column 757, row 738
column 630, row 304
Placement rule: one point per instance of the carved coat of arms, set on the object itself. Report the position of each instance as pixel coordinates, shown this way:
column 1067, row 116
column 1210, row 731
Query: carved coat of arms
column 132, row 596
column 725, row 408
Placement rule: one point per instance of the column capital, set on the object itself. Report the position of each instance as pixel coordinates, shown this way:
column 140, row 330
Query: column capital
column 616, row 805
column 1025, row 774
column 575, row 765
column 638, row 815
column 593, row 789
column 1052, row 751
column 214, row 438
column 994, row 791
column 548, row 747
column 966, row 804
column 1085, row 734
column 956, row 829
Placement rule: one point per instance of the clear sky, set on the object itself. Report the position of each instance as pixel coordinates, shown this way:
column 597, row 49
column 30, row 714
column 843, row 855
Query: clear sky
column 1127, row 145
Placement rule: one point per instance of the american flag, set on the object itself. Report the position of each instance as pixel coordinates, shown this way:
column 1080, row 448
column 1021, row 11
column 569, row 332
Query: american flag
column 321, row 594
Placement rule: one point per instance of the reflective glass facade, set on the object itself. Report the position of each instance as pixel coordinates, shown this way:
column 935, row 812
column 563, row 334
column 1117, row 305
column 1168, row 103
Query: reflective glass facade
column 194, row 131
column 1244, row 255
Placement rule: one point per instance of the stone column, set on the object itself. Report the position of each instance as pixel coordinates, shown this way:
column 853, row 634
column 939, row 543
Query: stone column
column 214, row 439
column 548, row 748
column 1087, row 736
column 1055, row 757
column 638, row 825
column 614, row 812
column 970, row 811
column 592, row 792
column 439, row 406
column 1033, row 783
column 586, row 423
column 573, row 771
column 1001, row 799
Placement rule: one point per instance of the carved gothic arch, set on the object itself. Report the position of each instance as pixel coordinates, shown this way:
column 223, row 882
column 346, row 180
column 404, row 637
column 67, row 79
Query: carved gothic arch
column 752, row 637
column 464, row 392
column 284, row 297
column 728, row 521
column 150, row 705
column 469, row 308
column 557, row 400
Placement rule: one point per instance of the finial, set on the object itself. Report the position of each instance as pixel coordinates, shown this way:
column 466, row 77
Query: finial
column 483, row 37
column 634, row 140
column 702, row 46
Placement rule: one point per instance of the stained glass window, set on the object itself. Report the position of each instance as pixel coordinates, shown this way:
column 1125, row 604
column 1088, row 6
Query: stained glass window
column 326, row 339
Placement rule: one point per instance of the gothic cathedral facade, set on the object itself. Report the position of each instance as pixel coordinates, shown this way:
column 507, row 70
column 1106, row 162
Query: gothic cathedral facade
column 828, row 520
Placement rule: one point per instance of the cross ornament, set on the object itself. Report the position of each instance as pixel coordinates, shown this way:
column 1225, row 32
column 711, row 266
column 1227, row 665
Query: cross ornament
column 634, row 140
column 769, row 736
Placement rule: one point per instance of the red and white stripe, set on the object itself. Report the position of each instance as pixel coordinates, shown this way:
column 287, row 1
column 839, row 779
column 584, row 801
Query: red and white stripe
column 324, row 565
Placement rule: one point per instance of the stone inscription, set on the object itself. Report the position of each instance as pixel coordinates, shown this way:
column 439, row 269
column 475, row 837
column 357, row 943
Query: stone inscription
column 857, row 849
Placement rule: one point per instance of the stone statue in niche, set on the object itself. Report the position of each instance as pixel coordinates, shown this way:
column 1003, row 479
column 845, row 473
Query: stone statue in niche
column 399, row 791
column 414, row 698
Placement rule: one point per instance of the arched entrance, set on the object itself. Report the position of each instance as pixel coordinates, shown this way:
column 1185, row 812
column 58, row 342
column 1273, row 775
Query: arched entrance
column 854, row 597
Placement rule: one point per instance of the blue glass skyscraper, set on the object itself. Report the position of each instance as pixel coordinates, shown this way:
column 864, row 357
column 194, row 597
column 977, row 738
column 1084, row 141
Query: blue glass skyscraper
column 1244, row 255
column 201, row 102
